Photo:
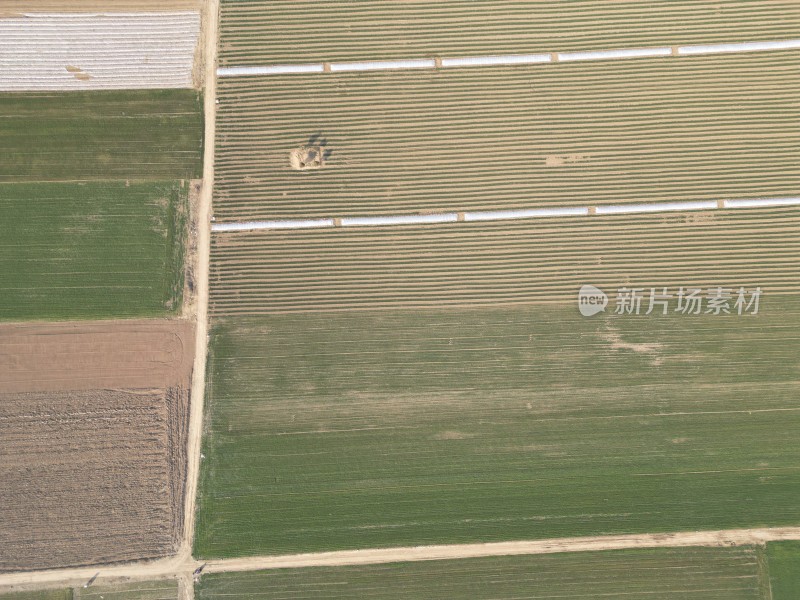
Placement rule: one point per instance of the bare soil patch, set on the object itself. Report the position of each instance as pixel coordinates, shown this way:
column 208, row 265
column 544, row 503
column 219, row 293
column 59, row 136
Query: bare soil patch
column 41, row 357
column 90, row 476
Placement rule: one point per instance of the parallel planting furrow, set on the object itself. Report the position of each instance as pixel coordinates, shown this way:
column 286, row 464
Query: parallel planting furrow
column 92, row 250
column 488, row 263
column 273, row 31
column 135, row 134
column 669, row 574
column 368, row 429
column 660, row 130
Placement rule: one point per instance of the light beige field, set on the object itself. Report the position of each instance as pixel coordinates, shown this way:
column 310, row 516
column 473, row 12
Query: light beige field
column 277, row 31
column 415, row 141
column 10, row 8
column 505, row 262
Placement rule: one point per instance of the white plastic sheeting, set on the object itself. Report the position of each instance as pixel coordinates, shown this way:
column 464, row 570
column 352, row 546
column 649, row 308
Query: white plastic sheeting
column 762, row 202
column 74, row 51
column 271, row 70
column 251, row 225
column 622, row 209
column 501, row 215
column 490, row 61
column 740, row 47
column 513, row 59
column 615, row 54
column 384, row 65
column 399, row 220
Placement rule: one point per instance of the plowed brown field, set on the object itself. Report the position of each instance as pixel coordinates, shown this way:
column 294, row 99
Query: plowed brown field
column 38, row 357
column 93, row 427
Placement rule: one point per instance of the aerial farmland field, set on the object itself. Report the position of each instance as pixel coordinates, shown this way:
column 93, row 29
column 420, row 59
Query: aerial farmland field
column 560, row 134
column 384, row 385
column 467, row 264
column 93, row 425
column 784, row 570
column 370, row 429
column 93, row 249
column 61, row 594
column 669, row 574
column 278, row 32
column 166, row 589
column 350, row 300
column 70, row 136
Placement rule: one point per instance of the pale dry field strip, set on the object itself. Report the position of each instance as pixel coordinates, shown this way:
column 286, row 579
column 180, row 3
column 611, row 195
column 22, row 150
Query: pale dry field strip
column 278, row 32
column 509, row 138
column 513, row 262
column 16, row 8
column 513, row 59
column 87, row 355
column 505, row 215
column 69, row 51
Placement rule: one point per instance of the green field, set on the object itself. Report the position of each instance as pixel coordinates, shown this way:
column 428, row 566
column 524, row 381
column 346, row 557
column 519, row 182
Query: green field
column 409, row 141
column 784, row 570
column 166, row 589
column 132, row 134
column 371, row 429
column 92, row 250
column 275, row 31
column 39, row 595
column 669, row 574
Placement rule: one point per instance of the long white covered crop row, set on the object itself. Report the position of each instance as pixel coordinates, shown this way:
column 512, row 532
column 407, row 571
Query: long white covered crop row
column 98, row 51
column 504, row 215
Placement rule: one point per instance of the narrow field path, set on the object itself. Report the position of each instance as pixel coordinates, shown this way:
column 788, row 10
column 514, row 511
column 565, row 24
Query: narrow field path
column 182, row 566
column 209, row 35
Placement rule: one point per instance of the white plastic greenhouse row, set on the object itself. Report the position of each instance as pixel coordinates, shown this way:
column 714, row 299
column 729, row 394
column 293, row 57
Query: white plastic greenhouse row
column 510, row 59
column 503, row 215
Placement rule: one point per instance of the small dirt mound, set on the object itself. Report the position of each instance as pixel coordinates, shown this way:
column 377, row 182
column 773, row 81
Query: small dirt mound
column 307, row 157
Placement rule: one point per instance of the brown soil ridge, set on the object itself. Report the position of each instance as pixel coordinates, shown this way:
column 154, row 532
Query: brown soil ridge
column 90, row 355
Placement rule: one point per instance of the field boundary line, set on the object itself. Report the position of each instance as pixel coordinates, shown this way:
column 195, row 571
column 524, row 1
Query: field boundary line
column 511, row 59
column 505, row 215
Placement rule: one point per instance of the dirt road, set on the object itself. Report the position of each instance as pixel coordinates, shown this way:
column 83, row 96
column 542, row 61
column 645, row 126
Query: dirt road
column 209, row 36
column 181, row 566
